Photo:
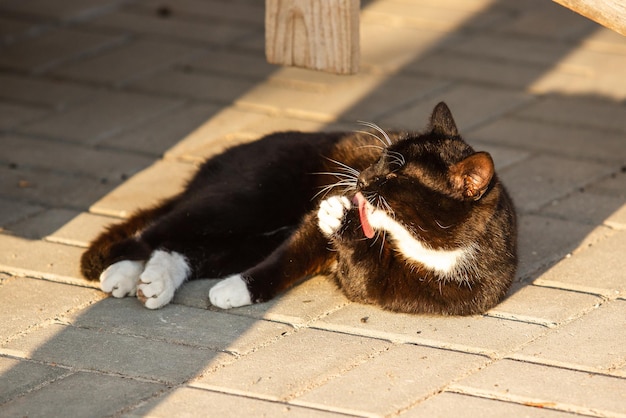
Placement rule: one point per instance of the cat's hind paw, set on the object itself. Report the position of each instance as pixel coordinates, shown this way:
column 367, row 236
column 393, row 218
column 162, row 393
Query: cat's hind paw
column 120, row 279
column 232, row 292
column 164, row 273
column 331, row 213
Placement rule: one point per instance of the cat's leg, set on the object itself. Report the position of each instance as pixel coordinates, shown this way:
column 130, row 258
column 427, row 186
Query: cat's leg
column 305, row 253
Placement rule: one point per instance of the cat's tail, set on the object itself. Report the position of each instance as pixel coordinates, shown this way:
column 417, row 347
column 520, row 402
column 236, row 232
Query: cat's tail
column 120, row 242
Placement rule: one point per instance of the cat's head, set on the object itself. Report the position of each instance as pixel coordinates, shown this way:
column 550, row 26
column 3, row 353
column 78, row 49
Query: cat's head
column 432, row 182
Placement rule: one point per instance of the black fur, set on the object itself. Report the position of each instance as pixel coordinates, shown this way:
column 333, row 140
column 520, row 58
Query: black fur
column 253, row 210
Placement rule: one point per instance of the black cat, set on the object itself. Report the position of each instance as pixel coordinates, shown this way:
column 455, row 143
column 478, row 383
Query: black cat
column 410, row 222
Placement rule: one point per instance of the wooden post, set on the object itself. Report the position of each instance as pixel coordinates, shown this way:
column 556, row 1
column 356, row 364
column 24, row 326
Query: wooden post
column 317, row 34
column 609, row 13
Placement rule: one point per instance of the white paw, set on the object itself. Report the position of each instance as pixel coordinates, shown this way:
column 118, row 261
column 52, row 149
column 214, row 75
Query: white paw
column 331, row 212
column 164, row 273
column 120, row 279
column 232, row 292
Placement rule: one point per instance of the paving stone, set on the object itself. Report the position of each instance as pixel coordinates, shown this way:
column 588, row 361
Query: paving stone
column 300, row 305
column 160, row 181
column 99, row 350
column 174, row 28
column 195, row 293
column 232, row 62
column 453, row 404
column 544, row 305
column 579, row 111
column 127, row 62
column 39, row 301
column 613, row 185
column 292, row 365
column 71, row 158
column 62, row 9
column 12, row 28
column 569, row 390
column 40, row 259
column 20, row 376
column 251, row 12
column 80, row 229
column 597, row 268
column 41, row 224
column 388, row 49
column 182, row 325
column 473, row 334
column 202, row 86
column 42, row 53
column 39, row 91
column 324, row 106
column 543, row 241
column 592, row 341
column 81, row 394
column 541, row 179
column 12, row 211
column 573, row 141
column 591, row 208
column 46, row 188
column 399, row 377
column 470, row 105
column 107, row 114
column 156, row 136
column 192, row 402
column 13, row 115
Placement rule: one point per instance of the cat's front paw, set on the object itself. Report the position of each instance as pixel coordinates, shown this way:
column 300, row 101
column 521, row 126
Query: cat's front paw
column 331, row 213
column 164, row 273
column 232, row 292
column 120, row 279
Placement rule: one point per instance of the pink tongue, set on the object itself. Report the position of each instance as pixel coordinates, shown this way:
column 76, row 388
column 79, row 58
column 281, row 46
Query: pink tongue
column 365, row 223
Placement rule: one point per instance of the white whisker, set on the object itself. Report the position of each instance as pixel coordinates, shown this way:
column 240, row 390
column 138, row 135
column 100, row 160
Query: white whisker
column 379, row 129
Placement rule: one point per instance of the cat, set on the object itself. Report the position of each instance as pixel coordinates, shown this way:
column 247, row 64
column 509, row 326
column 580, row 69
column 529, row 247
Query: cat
column 410, row 222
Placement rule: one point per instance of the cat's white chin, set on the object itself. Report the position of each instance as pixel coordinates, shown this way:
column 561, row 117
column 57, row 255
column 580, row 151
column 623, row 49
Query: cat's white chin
column 232, row 292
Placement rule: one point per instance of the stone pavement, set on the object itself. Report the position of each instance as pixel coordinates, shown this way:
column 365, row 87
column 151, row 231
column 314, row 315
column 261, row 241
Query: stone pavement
column 108, row 105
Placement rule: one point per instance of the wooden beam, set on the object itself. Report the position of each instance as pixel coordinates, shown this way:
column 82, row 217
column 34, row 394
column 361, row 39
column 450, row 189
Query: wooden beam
column 609, row 13
column 317, row 34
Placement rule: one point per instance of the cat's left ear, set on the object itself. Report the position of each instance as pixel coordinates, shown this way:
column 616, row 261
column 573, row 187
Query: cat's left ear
column 471, row 177
column 442, row 122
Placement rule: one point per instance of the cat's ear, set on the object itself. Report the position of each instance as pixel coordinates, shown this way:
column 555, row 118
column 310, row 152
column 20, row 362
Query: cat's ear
column 471, row 177
column 442, row 122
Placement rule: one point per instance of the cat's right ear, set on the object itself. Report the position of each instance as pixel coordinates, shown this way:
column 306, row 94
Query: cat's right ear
column 471, row 176
column 442, row 122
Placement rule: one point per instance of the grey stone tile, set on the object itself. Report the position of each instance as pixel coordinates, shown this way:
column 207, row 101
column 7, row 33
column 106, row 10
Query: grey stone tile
column 544, row 305
column 453, row 404
column 156, row 136
column 12, row 211
column 612, row 185
column 544, row 136
column 40, row 225
column 19, row 376
column 471, row 106
column 83, row 394
column 25, row 303
column 70, row 158
column 232, row 62
column 102, row 351
column 399, row 377
column 42, row 53
column 46, row 188
column 300, row 305
column 210, row 32
column 293, row 364
column 13, row 115
column 40, row 259
column 80, row 229
column 594, row 341
column 597, row 268
column 127, row 62
column 106, row 114
column 193, row 401
column 182, row 325
column 588, row 207
column 39, row 91
column 13, row 28
column 541, row 179
column 62, row 9
column 159, row 181
column 473, row 334
column 251, row 12
column 570, row 390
